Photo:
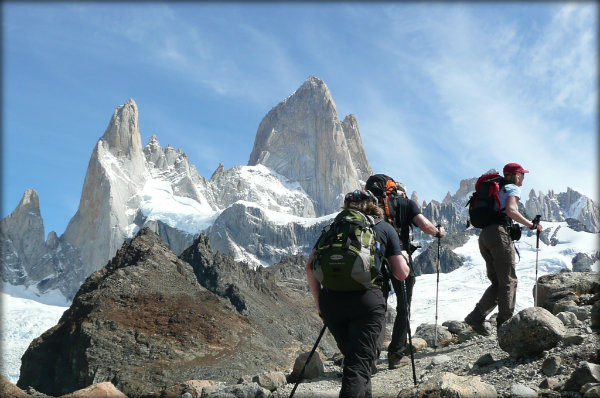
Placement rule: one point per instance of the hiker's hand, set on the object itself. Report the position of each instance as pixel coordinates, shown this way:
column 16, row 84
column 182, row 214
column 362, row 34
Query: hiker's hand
column 539, row 228
column 441, row 232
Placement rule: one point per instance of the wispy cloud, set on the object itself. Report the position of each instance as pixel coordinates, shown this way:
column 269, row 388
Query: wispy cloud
column 497, row 93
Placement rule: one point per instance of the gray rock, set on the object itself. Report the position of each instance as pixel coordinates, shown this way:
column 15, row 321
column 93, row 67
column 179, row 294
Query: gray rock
column 450, row 385
column 591, row 391
column 521, row 391
column 531, row 331
column 313, row 369
column 551, row 365
column 427, row 332
column 426, row 262
column 270, row 380
column 252, row 390
column 455, row 327
column 550, row 383
column 485, row 360
column 586, row 373
column 440, row 359
column 595, row 315
column 569, row 319
column 555, row 287
column 573, row 339
column 582, row 262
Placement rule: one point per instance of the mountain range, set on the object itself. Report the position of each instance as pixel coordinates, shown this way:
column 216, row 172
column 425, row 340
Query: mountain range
column 303, row 160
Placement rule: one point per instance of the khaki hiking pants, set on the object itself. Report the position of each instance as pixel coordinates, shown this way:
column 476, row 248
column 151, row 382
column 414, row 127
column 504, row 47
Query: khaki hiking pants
column 498, row 251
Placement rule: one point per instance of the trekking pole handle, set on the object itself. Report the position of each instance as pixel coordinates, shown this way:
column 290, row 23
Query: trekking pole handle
column 536, row 221
column 439, row 232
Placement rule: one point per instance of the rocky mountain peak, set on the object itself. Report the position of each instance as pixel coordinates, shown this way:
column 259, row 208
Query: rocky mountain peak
column 218, row 171
column 122, row 134
column 23, row 242
column 30, row 201
column 356, row 148
column 303, row 139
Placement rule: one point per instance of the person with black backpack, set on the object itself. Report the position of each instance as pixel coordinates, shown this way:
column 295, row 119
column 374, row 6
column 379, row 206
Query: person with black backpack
column 494, row 208
column 402, row 213
column 345, row 273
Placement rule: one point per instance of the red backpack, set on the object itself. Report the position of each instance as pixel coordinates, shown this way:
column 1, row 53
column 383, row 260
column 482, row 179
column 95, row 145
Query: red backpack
column 484, row 204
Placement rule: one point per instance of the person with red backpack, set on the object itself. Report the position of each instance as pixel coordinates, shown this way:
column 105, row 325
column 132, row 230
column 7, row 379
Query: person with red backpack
column 401, row 213
column 496, row 242
column 345, row 275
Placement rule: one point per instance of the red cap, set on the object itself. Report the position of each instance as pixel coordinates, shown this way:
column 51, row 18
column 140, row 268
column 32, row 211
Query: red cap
column 514, row 168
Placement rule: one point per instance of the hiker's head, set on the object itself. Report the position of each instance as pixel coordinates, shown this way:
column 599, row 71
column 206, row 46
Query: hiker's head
column 514, row 173
column 363, row 201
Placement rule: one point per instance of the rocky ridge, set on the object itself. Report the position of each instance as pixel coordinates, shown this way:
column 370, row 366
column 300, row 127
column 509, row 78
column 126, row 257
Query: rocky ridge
column 150, row 319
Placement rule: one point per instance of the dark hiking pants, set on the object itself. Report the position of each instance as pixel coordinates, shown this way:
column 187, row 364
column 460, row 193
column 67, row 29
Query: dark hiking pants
column 398, row 344
column 498, row 251
column 356, row 320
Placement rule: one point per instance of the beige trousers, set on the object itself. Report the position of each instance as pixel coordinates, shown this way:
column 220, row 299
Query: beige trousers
column 498, row 251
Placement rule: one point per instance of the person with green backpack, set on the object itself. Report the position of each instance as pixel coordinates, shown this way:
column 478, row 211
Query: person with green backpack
column 345, row 273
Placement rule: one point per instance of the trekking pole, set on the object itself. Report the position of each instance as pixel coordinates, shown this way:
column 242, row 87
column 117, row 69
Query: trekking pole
column 308, row 360
column 407, row 308
column 536, row 221
column 437, row 287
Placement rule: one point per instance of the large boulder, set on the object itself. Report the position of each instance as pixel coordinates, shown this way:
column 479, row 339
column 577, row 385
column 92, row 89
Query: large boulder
column 530, row 332
column 566, row 286
column 439, row 336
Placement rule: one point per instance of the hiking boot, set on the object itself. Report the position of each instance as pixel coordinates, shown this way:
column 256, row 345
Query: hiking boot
column 475, row 319
column 374, row 367
column 479, row 327
column 395, row 361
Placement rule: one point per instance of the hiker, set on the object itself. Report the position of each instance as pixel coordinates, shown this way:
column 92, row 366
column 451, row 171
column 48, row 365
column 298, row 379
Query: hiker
column 356, row 317
column 404, row 213
column 498, row 251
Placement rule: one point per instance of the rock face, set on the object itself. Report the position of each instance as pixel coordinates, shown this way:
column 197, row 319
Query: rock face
column 303, row 139
column 275, row 300
column 144, row 321
column 28, row 259
column 565, row 205
column 141, row 322
column 113, row 180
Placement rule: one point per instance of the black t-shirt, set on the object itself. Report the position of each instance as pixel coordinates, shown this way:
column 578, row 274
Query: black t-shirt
column 388, row 238
column 406, row 210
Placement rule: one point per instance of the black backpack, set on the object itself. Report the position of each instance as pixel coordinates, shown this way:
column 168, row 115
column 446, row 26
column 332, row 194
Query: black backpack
column 385, row 190
column 484, row 204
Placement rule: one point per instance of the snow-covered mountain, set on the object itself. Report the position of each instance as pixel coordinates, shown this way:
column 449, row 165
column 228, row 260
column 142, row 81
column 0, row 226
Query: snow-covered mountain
column 304, row 158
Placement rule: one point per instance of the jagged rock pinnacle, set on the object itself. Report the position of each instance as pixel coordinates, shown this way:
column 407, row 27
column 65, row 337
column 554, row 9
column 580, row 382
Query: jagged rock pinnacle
column 303, row 139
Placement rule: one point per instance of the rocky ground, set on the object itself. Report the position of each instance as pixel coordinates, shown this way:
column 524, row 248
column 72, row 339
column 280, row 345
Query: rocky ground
column 478, row 356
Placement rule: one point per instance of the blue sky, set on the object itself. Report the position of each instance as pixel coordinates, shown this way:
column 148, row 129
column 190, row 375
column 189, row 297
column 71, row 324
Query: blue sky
column 441, row 91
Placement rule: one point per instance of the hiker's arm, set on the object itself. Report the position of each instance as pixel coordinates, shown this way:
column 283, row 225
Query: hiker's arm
column 313, row 283
column 512, row 210
column 399, row 265
column 426, row 226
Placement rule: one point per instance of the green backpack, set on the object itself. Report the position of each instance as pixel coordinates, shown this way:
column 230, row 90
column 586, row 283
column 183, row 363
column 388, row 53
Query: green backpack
column 347, row 253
